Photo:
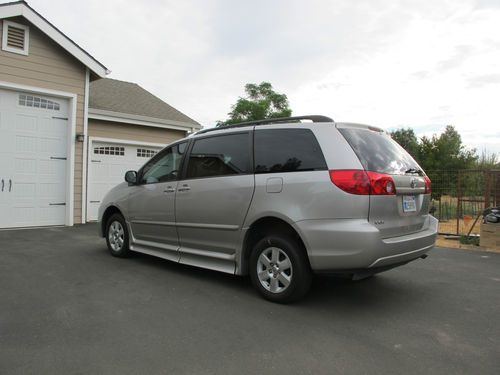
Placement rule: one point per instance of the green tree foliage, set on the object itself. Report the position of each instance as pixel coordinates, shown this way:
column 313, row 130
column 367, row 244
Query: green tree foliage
column 260, row 102
column 408, row 140
column 488, row 160
column 443, row 152
column 441, row 157
column 446, row 152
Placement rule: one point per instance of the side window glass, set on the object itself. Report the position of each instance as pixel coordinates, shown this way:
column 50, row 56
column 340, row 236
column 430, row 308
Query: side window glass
column 165, row 166
column 287, row 150
column 219, row 156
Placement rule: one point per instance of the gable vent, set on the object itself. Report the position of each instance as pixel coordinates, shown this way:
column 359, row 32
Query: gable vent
column 15, row 37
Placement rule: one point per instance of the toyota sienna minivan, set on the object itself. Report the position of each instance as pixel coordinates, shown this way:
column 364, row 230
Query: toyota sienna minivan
column 279, row 200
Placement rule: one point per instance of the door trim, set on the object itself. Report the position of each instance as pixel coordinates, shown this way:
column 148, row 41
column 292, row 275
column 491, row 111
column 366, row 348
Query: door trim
column 71, row 132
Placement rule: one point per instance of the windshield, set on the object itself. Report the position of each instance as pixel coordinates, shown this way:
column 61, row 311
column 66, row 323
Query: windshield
column 378, row 152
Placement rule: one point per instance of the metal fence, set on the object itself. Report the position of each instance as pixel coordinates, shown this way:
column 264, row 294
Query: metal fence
column 458, row 197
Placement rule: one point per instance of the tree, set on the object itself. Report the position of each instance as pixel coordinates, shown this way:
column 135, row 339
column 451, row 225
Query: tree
column 408, row 140
column 446, row 152
column 488, row 160
column 260, row 102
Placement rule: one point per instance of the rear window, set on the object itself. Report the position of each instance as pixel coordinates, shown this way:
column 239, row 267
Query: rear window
column 378, row 152
column 287, row 150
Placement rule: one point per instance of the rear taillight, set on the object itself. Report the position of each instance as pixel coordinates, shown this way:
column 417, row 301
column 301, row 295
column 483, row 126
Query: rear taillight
column 428, row 189
column 360, row 182
column 351, row 181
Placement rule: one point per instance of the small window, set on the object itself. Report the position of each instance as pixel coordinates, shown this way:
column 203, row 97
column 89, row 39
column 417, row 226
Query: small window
column 37, row 102
column 220, row 156
column 145, row 153
column 165, row 166
column 110, row 150
column 287, row 150
column 15, row 37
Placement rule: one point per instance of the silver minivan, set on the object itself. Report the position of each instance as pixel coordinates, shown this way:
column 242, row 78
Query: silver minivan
column 277, row 199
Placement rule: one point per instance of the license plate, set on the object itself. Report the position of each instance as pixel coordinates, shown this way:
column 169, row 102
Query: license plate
column 409, row 203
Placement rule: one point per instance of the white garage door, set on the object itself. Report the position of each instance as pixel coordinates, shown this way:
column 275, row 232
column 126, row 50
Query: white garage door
column 108, row 163
column 33, row 159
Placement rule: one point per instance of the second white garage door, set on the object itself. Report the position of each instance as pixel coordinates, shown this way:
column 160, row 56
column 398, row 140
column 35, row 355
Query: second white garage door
column 108, row 163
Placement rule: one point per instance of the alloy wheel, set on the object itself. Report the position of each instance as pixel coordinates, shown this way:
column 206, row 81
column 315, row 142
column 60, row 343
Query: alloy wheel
column 116, row 236
column 274, row 270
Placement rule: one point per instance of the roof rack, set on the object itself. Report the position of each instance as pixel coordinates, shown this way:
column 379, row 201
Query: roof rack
column 278, row 120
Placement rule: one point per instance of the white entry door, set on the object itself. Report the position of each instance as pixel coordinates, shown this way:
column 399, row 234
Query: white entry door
column 33, row 159
column 108, row 163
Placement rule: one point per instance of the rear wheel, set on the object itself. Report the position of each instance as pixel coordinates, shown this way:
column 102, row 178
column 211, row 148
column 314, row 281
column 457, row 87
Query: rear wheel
column 117, row 237
column 279, row 269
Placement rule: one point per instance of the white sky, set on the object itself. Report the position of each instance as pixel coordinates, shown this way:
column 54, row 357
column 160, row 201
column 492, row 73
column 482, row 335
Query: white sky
column 420, row 64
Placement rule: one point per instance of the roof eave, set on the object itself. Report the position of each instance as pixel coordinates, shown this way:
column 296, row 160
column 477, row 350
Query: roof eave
column 105, row 115
column 23, row 9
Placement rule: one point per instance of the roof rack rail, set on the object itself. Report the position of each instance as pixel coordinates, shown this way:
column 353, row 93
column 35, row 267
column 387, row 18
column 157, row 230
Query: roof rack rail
column 278, row 120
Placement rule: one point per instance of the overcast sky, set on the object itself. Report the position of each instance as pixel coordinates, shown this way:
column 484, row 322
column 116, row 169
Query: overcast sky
column 420, row 64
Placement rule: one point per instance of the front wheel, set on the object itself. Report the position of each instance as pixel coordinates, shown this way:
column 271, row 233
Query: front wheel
column 279, row 269
column 117, row 236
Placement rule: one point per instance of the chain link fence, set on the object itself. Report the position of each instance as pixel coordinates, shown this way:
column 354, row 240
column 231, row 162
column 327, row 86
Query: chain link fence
column 460, row 196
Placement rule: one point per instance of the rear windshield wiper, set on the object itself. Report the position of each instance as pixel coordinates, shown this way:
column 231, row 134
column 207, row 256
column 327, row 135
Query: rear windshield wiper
column 413, row 170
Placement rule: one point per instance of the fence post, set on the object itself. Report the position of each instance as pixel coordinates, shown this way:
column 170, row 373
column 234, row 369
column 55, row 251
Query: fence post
column 487, row 188
column 496, row 178
column 459, row 203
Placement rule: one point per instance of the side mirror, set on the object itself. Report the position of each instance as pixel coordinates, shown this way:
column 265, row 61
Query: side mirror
column 131, row 177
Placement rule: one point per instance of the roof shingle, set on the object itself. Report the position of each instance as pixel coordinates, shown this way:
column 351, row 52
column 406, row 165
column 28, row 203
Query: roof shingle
column 130, row 98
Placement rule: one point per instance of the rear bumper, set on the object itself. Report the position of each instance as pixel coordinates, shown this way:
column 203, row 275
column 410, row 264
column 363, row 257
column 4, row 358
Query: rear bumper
column 346, row 244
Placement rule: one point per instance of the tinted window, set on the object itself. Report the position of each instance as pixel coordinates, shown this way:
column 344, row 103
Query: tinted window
column 219, row 156
column 378, row 152
column 287, row 150
column 165, row 166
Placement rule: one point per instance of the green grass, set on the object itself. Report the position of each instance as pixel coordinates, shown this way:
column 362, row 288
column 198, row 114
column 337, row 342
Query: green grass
column 473, row 240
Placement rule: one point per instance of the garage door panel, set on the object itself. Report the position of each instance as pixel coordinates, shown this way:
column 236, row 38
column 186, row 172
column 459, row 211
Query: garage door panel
column 28, row 138
column 26, row 124
column 100, row 171
column 25, row 166
column 52, row 126
column 23, row 192
column 52, row 192
column 53, row 169
column 107, row 167
column 99, row 190
column 26, row 144
column 24, row 215
column 50, row 215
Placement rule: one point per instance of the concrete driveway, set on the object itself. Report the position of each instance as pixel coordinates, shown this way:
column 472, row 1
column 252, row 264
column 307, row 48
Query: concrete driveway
column 67, row 307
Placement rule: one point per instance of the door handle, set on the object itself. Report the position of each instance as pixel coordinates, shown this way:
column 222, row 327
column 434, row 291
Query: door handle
column 184, row 188
column 169, row 189
column 10, row 185
column 3, row 184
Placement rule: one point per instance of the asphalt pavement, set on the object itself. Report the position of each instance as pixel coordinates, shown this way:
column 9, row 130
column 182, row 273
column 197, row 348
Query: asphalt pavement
column 68, row 307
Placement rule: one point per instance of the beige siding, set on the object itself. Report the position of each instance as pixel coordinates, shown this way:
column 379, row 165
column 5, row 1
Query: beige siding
column 138, row 133
column 49, row 66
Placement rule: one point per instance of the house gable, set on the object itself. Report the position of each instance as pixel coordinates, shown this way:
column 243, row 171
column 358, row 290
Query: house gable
column 22, row 9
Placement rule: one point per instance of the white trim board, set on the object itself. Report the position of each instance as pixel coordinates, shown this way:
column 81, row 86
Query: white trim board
column 24, row 10
column 70, row 171
column 124, row 141
column 85, row 146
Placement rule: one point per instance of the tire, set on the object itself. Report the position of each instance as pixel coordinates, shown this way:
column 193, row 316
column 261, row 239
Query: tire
column 279, row 269
column 117, row 237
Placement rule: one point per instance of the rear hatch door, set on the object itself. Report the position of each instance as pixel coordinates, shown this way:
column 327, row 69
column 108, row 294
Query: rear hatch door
column 406, row 211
